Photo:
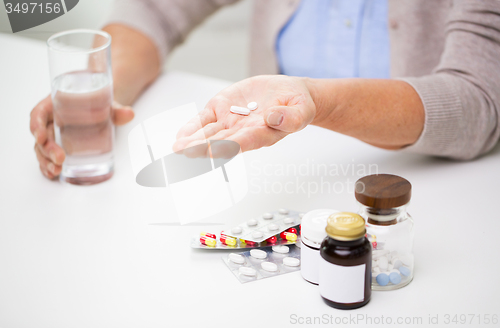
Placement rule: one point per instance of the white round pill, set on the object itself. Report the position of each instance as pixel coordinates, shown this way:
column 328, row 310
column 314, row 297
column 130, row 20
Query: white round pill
column 281, row 249
column 252, row 105
column 273, row 227
column 269, row 266
column 383, row 263
column 252, row 222
column 257, row 234
column 258, row 254
column 267, row 216
column 291, row 261
column 283, row 211
column 288, row 220
column 246, row 271
column 236, row 230
column 236, row 258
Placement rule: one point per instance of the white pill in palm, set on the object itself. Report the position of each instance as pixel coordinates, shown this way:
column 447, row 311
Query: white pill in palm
column 267, row 216
column 273, row 227
column 246, row 271
column 288, row 220
column 252, row 105
column 252, row 222
column 236, row 230
column 258, row 254
column 257, row 234
column 281, row 249
column 240, row 110
column 269, row 266
column 236, row 258
column 383, row 263
column 283, row 211
column 291, row 261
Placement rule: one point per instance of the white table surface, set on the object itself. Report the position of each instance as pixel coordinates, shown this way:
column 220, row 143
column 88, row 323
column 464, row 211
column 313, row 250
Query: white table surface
column 111, row 255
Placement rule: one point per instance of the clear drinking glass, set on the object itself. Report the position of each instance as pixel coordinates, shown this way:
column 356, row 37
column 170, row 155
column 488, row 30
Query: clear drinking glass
column 82, row 94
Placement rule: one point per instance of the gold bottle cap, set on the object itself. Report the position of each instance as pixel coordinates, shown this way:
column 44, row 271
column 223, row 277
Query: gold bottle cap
column 345, row 226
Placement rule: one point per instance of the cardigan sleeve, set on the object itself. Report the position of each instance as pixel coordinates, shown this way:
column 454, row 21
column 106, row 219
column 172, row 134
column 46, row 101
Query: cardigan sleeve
column 166, row 22
column 462, row 95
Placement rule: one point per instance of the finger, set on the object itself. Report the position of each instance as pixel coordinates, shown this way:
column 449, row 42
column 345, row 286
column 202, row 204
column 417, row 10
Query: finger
column 204, row 133
column 205, row 117
column 46, row 165
column 122, row 114
column 40, row 116
column 50, row 149
column 288, row 118
column 254, row 138
column 192, row 149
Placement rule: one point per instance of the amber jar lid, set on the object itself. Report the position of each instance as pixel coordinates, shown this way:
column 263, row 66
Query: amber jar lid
column 383, row 191
column 345, row 226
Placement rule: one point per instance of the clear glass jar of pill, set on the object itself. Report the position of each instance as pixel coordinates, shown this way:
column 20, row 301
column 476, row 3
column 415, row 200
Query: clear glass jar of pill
column 383, row 200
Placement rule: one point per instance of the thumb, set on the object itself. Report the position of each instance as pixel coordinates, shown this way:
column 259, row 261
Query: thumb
column 287, row 118
column 122, row 114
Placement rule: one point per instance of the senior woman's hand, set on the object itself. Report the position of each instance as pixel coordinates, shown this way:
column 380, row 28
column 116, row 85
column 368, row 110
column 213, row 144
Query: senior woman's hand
column 49, row 154
column 284, row 103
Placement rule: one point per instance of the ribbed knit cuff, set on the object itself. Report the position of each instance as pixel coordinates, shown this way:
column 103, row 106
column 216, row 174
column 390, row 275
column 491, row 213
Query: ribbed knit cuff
column 443, row 115
column 141, row 16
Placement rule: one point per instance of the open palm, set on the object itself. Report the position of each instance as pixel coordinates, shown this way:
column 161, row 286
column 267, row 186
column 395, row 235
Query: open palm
column 284, row 106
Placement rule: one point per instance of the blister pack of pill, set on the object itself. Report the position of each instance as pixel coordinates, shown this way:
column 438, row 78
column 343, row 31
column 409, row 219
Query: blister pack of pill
column 260, row 263
column 207, row 240
column 266, row 226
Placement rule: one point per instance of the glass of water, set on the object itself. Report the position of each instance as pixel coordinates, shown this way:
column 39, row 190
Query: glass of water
column 82, row 95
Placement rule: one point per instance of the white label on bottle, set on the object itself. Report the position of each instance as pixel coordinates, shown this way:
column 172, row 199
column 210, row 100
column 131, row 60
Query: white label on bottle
column 310, row 263
column 342, row 284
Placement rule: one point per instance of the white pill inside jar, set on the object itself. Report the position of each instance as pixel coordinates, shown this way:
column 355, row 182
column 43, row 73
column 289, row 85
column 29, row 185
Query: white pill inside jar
column 281, row 249
column 267, row 216
column 257, row 235
column 288, row 220
column 396, row 263
column 239, row 110
column 291, row 261
column 273, row 227
column 283, row 211
column 258, row 254
column 236, row 258
column 252, row 223
column 376, row 270
column 269, row 266
column 246, row 271
column 383, row 263
column 236, row 230
column 252, row 105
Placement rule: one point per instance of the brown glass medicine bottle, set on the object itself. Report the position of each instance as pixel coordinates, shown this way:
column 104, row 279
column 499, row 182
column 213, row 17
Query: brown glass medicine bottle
column 345, row 263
